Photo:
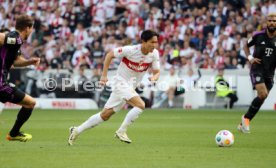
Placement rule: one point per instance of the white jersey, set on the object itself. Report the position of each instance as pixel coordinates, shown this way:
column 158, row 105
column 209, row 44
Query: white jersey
column 134, row 63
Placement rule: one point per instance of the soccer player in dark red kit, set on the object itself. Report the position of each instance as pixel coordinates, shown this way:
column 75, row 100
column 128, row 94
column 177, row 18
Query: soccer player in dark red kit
column 263, row 64
column 10, row 55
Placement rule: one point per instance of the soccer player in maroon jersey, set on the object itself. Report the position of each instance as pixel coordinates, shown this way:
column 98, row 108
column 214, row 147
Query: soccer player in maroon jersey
column 10, row 54
column 263, row 64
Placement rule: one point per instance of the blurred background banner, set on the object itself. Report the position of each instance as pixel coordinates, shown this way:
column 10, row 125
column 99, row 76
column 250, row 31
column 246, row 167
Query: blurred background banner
column 72, row 38
column 200, row 95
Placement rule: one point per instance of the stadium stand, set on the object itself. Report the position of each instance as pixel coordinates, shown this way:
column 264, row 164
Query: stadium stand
column 73, row 34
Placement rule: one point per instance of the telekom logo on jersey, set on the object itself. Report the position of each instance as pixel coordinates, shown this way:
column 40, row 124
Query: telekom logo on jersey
column 138, row 67
column 268, row 51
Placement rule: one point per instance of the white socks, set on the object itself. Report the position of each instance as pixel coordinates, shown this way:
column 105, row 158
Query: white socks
column 96, row 119
column 91, row 122
column 131, row 116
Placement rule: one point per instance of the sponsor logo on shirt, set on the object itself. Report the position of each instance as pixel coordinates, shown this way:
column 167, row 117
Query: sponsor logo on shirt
column 11, row 40
column 268, row 51
column 137, row 67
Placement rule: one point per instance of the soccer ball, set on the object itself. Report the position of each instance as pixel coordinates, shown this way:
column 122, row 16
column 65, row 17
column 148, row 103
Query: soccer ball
column 224, row 138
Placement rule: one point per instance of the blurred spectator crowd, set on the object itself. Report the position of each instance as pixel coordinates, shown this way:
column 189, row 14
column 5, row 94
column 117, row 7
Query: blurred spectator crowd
column 76, row 34
column 69, row 34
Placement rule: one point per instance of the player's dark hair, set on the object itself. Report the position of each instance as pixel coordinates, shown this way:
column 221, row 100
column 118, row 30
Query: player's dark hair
column 4, row 30
column 23, row 21
column 148, row 34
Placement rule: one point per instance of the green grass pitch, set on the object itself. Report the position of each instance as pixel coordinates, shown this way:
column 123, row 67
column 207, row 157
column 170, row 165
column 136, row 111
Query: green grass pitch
column 168, row 138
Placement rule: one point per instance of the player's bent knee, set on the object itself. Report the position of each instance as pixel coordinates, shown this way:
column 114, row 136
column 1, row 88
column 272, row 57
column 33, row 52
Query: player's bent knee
column 106, row 114
column 141, row 105
column 263, row 96
column 31, row 104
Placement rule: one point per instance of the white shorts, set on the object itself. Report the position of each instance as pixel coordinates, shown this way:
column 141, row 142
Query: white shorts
column 119, row 96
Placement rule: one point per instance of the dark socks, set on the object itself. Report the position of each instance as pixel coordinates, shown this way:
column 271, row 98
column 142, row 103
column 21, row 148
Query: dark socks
column 254, row 108
column 22, row 116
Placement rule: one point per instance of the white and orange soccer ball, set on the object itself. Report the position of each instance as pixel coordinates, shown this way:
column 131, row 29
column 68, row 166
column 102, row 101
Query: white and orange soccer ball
column 224, row 138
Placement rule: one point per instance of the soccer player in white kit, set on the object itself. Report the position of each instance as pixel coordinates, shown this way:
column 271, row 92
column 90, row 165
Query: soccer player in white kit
column 135, row 61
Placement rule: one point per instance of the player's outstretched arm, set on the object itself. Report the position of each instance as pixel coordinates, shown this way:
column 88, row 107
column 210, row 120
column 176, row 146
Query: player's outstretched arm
column 108, row 58
column 21, row 61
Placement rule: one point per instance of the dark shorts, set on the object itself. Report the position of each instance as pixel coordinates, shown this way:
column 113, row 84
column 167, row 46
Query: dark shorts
column 9, row 93
column 257, row 78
